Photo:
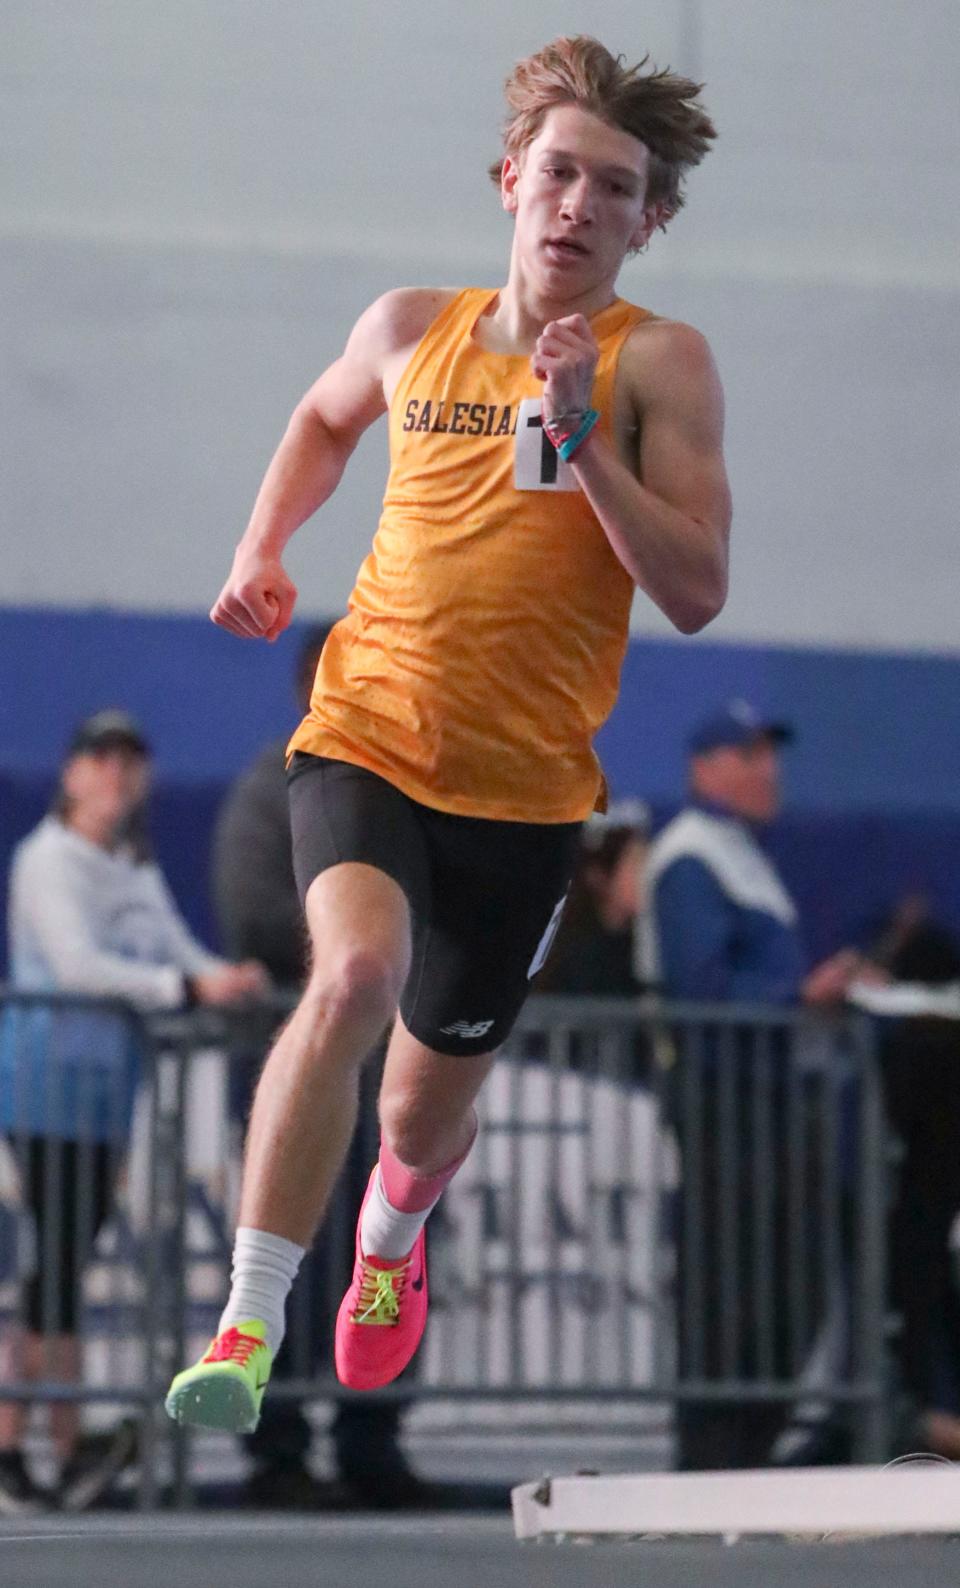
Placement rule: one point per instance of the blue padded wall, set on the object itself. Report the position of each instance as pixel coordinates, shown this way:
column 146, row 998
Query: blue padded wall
column 873, row 782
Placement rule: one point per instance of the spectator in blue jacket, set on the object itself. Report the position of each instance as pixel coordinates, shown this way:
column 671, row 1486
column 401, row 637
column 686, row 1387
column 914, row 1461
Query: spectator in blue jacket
column 724, row 925
column 721, row 928
column 89, row 913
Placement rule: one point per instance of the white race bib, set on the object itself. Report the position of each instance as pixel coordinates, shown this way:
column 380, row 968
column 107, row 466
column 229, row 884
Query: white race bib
column 538, row 465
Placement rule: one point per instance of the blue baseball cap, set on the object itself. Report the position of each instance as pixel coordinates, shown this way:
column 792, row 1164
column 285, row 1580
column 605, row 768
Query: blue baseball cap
column 734, row 724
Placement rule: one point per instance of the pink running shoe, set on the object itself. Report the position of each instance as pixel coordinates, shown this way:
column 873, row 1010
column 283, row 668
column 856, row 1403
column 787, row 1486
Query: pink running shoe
column 382, row 1316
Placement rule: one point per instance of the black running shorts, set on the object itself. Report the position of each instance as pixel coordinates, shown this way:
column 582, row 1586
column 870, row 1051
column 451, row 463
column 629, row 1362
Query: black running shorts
column 485, row 896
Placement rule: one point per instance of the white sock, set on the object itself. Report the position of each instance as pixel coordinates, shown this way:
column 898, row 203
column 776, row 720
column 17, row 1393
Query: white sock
column 264, row 1268
column 384, row 1231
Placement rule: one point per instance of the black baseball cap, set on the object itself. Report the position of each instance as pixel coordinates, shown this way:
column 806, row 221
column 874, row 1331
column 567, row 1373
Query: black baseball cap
column 734, row 724
column 109, row 730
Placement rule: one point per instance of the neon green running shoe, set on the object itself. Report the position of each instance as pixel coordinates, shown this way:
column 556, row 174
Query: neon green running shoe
column 224, row 1389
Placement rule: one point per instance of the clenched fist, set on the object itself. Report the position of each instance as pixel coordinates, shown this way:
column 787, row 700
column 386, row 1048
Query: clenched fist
column 257, row 600
column 565, row 359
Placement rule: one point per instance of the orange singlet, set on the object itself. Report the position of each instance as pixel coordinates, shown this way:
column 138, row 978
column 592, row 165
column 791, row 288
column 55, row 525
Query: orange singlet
column 486, row 631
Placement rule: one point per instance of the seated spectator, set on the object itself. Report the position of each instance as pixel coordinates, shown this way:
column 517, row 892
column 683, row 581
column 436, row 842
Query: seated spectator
column 90, row 913
column 594, row 951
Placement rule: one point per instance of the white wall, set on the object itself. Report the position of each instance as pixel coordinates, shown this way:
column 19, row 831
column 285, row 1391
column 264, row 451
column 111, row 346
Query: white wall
column 200, row 197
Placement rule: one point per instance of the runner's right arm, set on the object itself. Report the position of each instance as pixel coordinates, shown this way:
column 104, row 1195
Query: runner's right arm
column 258, row 598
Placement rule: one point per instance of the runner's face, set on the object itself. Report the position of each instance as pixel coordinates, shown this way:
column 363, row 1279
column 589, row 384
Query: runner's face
column 578, row 193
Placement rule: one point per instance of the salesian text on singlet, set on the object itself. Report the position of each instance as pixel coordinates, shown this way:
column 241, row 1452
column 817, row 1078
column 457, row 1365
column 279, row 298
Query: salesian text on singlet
column 486, row 630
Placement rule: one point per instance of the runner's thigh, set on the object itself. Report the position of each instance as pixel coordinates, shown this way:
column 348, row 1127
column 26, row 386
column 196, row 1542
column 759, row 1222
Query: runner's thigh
column 341, row 813
column 497, row 891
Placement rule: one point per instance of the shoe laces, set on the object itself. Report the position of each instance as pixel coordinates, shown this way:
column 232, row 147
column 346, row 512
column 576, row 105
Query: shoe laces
column 233, row 1346
column 380, row 1293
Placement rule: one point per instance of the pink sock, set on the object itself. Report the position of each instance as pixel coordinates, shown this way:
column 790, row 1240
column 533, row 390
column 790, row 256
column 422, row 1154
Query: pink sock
column 398, row 1204
column 409, row 1192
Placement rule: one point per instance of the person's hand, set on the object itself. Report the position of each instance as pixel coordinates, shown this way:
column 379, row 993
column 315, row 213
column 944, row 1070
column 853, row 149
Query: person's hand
column 232, row 984
column 565, row 359
column 828, row 982
column 257, row 600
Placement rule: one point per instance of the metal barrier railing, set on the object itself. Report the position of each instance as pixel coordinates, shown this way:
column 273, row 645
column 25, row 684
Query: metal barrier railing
column 665, row 1205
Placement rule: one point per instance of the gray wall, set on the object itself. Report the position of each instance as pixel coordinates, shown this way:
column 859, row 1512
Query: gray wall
column 198, row 199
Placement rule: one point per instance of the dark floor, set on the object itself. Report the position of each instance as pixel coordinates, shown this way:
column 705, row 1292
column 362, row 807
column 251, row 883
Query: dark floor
column 368, row 1552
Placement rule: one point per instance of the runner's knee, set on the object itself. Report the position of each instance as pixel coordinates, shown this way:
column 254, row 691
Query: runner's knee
column 422, row 1137
column 358, row 984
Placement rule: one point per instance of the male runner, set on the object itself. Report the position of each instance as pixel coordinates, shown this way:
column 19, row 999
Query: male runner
column 552, row 448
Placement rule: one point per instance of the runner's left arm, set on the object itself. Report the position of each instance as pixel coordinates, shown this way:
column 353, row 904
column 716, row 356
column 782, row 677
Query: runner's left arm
column 668, row 518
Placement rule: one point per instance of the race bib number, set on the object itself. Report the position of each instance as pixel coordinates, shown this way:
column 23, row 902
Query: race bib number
column 538, row 465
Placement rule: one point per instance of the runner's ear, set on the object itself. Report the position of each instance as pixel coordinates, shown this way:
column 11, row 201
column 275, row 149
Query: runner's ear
column 509, row 178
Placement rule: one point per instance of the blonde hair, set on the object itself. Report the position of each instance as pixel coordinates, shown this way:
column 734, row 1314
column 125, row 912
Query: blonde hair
column 657, row 107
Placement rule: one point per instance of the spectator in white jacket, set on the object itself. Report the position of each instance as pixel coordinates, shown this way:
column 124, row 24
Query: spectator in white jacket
column 90, row 913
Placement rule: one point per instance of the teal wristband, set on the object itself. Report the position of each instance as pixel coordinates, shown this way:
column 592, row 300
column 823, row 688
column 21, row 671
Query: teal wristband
column 573, row 443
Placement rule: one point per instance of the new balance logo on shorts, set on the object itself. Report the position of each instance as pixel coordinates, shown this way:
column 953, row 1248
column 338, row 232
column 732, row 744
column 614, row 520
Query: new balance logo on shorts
column 467, row 1029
